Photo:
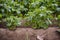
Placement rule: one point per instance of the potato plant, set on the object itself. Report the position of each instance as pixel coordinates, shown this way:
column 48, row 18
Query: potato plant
column 41, row 13
column 37, row 13
column 10, row 13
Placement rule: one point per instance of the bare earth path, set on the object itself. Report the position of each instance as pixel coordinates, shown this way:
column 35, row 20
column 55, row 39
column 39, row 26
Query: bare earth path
column 30, row 34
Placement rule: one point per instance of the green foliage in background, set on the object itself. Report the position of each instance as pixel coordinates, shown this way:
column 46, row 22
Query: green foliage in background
column 10, row 13
column 12, row 21
column 41, row 13
column 37, row 13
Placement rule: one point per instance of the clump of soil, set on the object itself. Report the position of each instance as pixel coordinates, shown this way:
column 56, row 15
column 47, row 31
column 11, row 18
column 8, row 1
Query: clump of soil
column 29, row 34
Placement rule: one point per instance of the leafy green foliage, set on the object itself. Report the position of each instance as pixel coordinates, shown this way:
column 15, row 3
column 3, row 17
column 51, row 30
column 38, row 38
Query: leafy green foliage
column 12, row 22
column 38, row 13
column 0, row 15
column 10, row 13
column 58, row 16
column 58, row 19
column 39, row 18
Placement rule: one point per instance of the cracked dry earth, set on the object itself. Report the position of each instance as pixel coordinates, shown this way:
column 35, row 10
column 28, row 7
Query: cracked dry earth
column 29, row 34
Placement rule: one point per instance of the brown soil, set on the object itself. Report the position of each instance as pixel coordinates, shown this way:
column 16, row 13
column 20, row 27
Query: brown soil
column 29, row 34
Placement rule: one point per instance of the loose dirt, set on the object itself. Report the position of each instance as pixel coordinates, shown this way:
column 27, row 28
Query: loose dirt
column 30, row 34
